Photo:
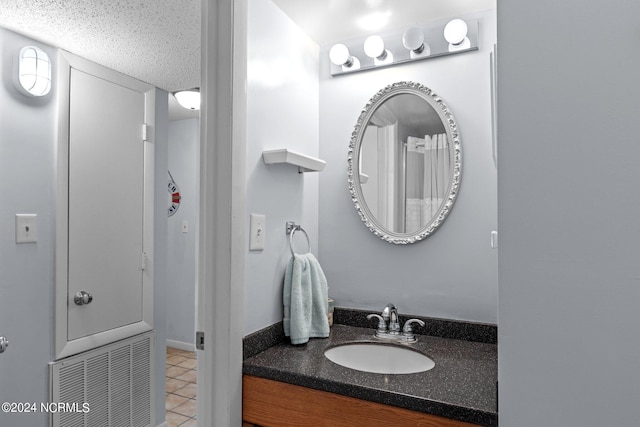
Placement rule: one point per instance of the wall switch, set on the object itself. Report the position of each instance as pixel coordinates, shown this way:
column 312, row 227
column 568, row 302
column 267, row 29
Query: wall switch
column 494, row 240
column 26, row 228
column 257, row 232
column 185, row 226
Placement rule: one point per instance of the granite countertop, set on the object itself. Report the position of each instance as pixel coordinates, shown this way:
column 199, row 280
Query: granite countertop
column 461, row 386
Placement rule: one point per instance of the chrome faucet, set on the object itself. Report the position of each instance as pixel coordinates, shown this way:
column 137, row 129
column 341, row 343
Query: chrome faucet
column 389, row 325
column 390, row 315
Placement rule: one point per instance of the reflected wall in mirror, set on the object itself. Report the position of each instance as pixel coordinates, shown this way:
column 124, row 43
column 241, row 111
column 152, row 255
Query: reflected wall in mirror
column 404, row 163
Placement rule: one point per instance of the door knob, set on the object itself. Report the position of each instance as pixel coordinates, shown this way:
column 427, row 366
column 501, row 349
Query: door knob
column 82, row 298
column 4, row 343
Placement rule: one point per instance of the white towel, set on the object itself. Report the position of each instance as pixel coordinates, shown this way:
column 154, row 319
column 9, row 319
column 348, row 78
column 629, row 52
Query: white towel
column 305, row 300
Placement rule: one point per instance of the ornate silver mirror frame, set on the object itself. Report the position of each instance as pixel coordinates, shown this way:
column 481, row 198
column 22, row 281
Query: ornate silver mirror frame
column 356, row 178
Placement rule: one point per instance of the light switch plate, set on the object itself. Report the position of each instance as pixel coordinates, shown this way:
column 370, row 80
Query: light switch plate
column 257, row 232
column 26, row 228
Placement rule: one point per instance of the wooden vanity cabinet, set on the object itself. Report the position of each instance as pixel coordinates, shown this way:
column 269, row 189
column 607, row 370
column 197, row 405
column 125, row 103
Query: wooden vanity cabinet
column 268, row 403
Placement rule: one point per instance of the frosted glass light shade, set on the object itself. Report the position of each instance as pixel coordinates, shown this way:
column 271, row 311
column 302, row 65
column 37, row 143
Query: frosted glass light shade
column 189, row 99
column 339, row 55
column 374, row 47
column 34, row 71
column 455, row 31
column 413, row 39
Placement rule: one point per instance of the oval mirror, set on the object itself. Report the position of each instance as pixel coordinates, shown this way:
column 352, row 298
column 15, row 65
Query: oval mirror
column 404, row 163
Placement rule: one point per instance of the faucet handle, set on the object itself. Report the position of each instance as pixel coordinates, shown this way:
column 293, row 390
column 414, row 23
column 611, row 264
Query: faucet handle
column 407, row 329
column 407, row 325
column 382, row 325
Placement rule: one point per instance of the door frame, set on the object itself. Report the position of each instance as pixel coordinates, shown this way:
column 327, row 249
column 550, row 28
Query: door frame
column 64, row 347
column 221, row 245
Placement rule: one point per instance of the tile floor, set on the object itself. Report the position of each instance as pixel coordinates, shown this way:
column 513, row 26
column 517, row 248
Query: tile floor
column 181, row 391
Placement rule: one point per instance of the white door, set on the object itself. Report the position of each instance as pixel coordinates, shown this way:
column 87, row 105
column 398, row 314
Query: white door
column 104, row 207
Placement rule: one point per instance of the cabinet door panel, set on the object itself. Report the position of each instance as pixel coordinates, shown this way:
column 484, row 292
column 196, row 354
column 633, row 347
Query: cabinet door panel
column 271, row 403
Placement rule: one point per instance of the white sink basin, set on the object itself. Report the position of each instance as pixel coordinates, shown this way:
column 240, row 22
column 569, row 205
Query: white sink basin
column 379, row 358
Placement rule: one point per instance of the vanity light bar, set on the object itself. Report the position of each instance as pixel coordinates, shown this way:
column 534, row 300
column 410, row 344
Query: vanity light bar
column 416, row 43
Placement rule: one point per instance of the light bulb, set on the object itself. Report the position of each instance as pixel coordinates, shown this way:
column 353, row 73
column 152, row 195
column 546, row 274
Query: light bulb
column 374, row 47
column 339, row 55
column 413, row 40
column 455, row 31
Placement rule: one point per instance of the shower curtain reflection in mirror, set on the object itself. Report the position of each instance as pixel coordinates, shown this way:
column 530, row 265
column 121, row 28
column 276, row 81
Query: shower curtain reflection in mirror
column 427, row 178
column 403, row 183
column 380, row 164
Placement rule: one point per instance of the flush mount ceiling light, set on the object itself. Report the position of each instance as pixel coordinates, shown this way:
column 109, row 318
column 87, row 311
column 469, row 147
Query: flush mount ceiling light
column 33, row 76
column 455, row 32
column 339, row 55
column 189, row 99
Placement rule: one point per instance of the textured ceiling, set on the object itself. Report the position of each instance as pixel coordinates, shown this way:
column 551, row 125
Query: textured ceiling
column 156, row 41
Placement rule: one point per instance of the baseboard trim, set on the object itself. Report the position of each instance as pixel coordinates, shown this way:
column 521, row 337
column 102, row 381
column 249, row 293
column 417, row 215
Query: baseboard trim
column 164, row 424
column 180, row 345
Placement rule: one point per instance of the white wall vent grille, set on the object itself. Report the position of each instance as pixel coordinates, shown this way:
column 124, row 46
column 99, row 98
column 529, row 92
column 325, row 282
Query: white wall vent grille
column 116, row 381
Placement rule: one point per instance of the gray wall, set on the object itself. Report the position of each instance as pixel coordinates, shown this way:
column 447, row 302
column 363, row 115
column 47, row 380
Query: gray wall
column 27, row 142
column 453, row 273
column 184, row 146
column 569, row 207
column 27, row 176
column 282, row 104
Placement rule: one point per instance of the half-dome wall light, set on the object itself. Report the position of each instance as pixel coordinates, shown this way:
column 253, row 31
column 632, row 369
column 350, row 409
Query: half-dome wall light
column 189, row 99
column 422, row 41
column 33, row 74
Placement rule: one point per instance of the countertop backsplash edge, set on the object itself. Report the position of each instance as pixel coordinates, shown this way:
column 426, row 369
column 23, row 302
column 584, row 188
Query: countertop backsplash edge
column 269, row 336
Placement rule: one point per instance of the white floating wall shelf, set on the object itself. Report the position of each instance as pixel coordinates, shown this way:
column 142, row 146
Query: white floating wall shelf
column 284, row 155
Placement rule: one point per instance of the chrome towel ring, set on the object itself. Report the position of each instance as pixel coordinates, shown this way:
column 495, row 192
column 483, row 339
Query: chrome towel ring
column 292, row 227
